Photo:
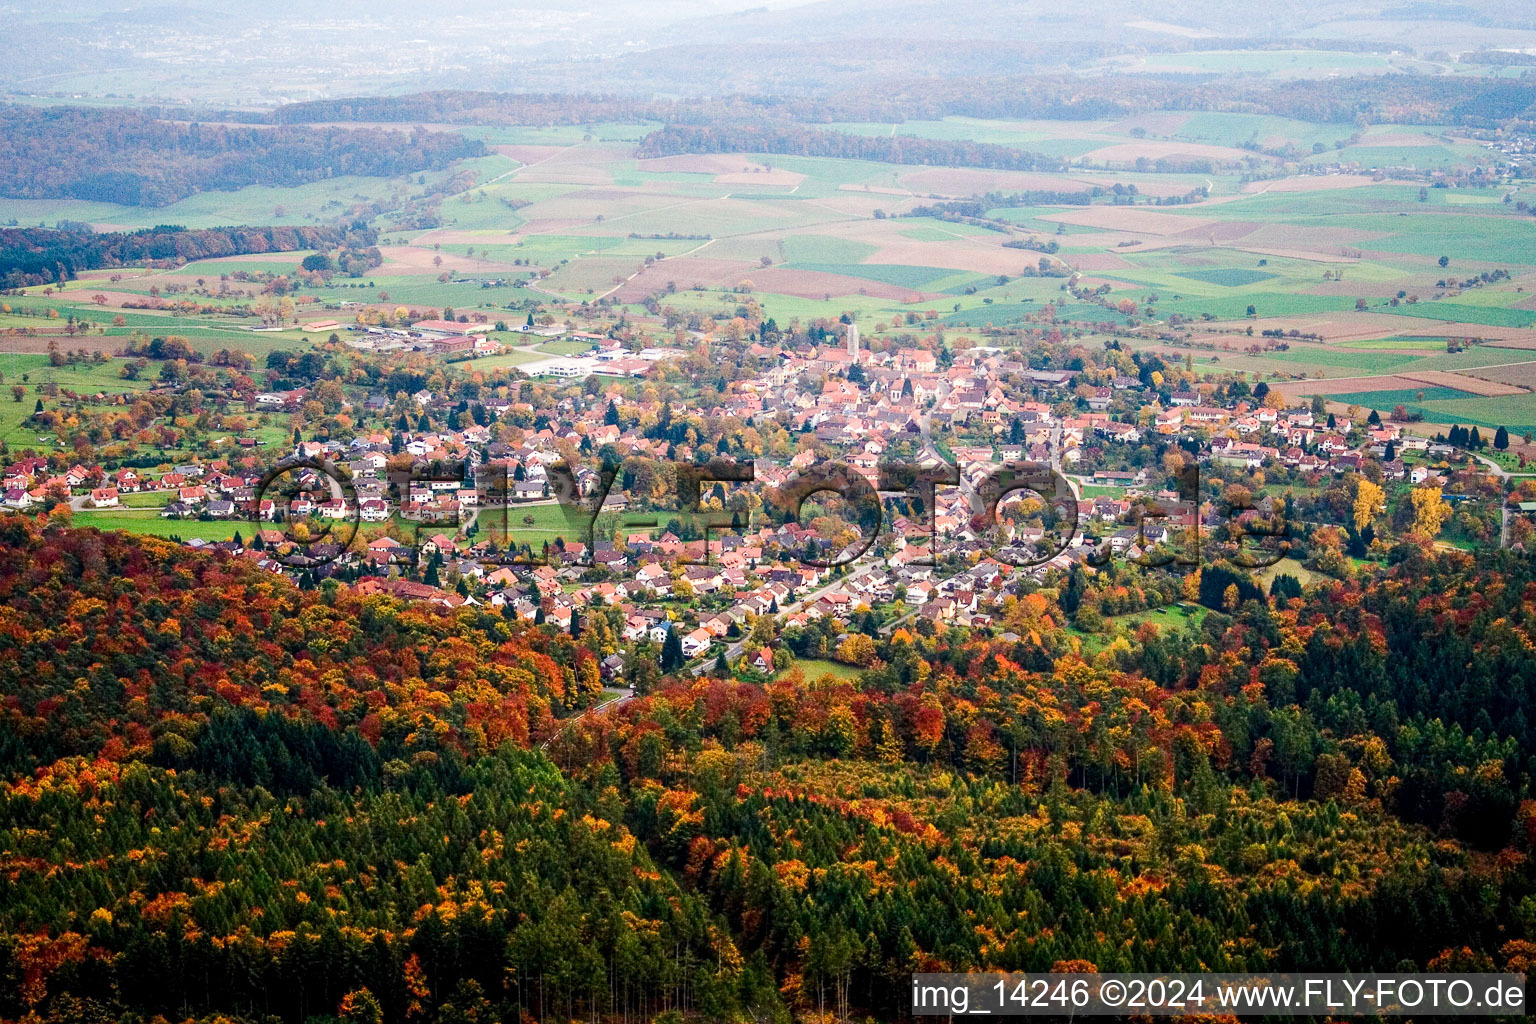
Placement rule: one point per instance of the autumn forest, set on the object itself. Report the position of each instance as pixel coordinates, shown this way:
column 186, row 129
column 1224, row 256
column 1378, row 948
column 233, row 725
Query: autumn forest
column 226, row 798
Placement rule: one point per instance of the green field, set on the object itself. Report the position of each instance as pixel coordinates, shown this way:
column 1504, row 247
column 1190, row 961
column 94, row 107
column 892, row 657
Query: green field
column 1401, row 344
column 1227, row 277
column 1446, row 405
column 815, row 668
column 150, row 523
column 564, row 347
column 1319, row 355
column 1492, row 316
column 915, row 278
column 594, row 225
column 1224, row 129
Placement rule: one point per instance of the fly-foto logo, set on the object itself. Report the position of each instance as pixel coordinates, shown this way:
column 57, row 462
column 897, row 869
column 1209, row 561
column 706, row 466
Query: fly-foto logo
column 317, row 503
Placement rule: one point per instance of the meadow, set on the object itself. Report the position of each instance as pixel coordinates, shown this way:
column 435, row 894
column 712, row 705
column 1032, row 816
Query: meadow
column 568, row 213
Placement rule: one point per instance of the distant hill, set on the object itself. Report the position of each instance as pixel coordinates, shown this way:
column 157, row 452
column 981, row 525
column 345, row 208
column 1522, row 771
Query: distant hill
column 113, row 155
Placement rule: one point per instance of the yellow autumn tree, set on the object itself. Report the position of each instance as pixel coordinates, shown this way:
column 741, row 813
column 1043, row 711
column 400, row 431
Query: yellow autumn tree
column 1368, row 498
column 858, row 649
column 1430, row 510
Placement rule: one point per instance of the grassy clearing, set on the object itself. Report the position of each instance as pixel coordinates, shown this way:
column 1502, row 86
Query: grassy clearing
column 1285, row 567
column 146, row 499
column 565, row 347
column 815, row 668
column 1174, row 618
column 508, row 360
column 149, row 523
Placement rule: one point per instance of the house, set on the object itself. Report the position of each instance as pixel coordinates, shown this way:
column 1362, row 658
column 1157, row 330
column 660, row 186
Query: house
column 17, row 498
column 104, row 497
column 762, row 661
column 1126, row 432
column 917, row 359
column 336, row 508
column 696, row 643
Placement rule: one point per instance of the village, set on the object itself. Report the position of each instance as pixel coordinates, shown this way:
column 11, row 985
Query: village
column 434, row 514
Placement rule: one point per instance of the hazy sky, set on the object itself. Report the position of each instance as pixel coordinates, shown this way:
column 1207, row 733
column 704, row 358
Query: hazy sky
column 226, row 51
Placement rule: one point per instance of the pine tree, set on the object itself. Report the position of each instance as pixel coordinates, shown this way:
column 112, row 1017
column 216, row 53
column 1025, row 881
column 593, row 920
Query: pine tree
column 671, row 652
column 1501, row 439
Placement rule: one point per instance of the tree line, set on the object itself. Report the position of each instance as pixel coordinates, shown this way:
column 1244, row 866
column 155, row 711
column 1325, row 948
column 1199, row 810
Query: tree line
column 798, row 140
column 130, row 158
column 1419, row 99
column 32, row 256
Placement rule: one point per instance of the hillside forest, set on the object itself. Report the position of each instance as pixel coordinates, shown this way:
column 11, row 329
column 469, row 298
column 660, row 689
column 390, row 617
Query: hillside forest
column 226, row 798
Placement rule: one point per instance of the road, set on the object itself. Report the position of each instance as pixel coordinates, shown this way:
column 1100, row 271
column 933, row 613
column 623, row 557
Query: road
column 626, row 695
column 733, row 651
column 1505, row 476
